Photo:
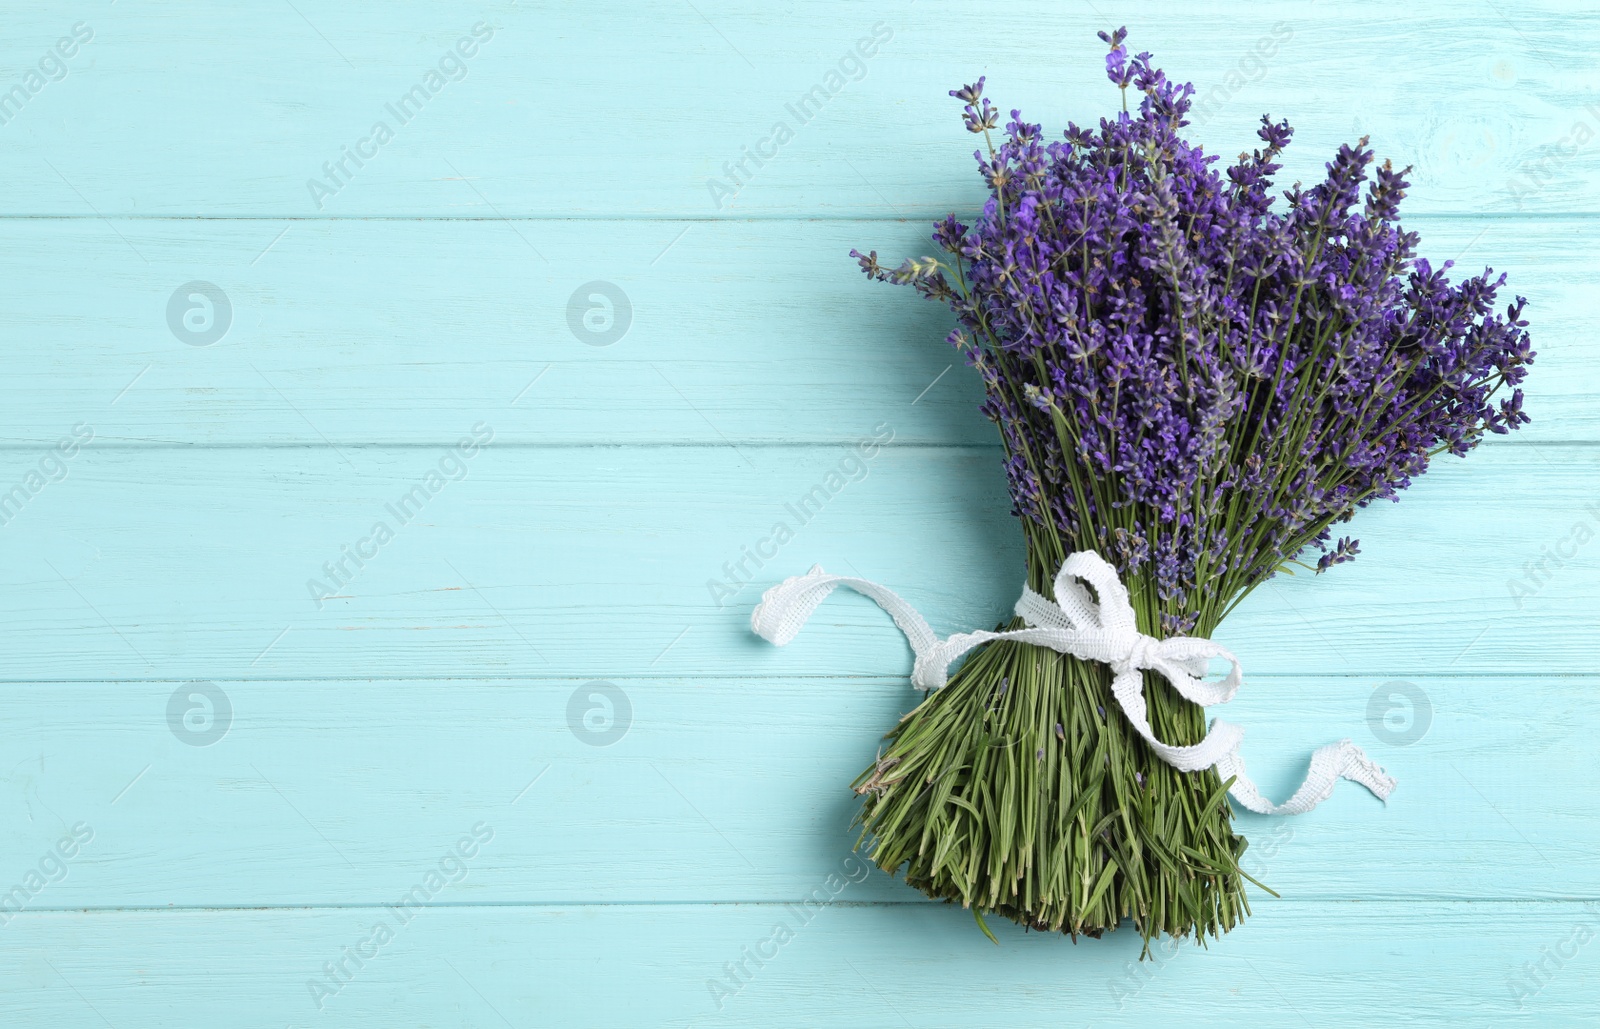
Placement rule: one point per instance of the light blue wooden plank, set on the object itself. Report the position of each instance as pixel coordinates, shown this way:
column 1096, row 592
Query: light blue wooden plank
column 601, row 109
column 404, row 332
column 591, row 562
column 716, row 789
column 367, row 340
column 927, row 966
column 358, row 332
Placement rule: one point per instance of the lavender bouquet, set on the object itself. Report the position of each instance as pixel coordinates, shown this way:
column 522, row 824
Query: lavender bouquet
column 1197, row 382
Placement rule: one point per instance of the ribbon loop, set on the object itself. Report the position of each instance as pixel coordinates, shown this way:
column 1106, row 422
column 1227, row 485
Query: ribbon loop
column 1100, row 628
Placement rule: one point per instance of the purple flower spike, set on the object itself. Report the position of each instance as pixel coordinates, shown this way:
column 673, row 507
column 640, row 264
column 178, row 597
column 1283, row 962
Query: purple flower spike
column 1195, row 374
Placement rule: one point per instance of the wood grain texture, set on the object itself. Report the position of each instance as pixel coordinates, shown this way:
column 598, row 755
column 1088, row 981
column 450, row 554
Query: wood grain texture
column 224, row 757
column 597, row 109
column 356, row 332
column 726, row 790
column 628, row 561
column 1438, row 964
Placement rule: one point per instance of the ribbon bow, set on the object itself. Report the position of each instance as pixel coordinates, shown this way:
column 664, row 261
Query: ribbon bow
column 1099, row 628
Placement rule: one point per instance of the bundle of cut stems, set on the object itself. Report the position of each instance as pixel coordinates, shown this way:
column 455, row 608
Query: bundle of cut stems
column 1197, row 382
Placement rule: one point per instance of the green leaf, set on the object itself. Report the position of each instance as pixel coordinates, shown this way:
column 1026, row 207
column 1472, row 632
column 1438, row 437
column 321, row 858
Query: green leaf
column 977, row 916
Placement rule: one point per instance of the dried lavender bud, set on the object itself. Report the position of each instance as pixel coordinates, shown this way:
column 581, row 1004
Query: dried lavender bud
column 1346, row 551
column 1235, row 374
column 1197, row 375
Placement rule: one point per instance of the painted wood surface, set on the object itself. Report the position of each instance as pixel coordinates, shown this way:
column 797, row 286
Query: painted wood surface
column 721, row 790
column 579, row 381
column 654, row 965
column 599, row 109
column 358, row 332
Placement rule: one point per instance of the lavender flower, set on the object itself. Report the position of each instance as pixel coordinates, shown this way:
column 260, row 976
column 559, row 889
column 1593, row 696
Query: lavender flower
column 1198, row 378
column 1345, row 551
column 1191, row 376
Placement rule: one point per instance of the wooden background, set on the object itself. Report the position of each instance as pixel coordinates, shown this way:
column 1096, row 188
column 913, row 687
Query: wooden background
column 256, row 769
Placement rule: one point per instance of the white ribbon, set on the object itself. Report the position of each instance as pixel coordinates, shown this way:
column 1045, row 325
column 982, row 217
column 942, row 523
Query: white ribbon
column 1103, row 630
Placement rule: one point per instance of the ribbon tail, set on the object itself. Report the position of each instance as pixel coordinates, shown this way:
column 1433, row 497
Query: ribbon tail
column 786, row 607
column 1329, row 764
column 1221, row 739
